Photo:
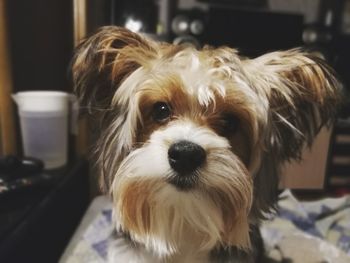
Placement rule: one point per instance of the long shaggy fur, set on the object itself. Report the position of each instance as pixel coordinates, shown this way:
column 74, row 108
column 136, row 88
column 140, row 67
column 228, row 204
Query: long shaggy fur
column 280, row 101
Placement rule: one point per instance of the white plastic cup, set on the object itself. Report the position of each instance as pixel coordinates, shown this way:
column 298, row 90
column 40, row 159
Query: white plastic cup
column 44, row 125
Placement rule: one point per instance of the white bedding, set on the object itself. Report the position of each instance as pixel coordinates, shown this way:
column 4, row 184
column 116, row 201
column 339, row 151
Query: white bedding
column 304, row 232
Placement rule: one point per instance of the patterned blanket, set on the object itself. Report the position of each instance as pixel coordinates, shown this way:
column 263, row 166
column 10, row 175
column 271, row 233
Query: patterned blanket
column 299, row 232
column 312, row 232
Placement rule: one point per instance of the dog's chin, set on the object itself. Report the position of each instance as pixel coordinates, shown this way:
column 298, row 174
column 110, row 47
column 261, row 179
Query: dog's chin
column 167, row 212
column 184, row 181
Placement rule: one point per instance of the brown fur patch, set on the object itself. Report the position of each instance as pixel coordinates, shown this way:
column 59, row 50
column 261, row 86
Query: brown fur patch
column 235, row 199
column 242, row 139
column 170, row 90
column 135, row 201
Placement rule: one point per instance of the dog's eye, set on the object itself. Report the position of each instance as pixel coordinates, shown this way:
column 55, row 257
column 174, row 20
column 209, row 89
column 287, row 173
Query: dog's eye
column 230, row 123
column 161, row 112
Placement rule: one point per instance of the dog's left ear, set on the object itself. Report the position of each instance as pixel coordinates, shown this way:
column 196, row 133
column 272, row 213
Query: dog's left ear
column 302, row 95
column 101, row 64
column 103, row 60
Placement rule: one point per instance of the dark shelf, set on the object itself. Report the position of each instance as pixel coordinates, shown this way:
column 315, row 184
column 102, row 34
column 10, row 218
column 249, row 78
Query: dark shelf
column 36, row 226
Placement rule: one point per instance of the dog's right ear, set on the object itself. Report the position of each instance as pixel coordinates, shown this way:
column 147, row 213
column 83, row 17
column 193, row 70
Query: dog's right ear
column 104, row 60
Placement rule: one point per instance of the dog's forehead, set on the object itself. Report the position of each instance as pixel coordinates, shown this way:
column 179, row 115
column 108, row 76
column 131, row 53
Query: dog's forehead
column 196, row 67
column 202, row 75
column 198, row 74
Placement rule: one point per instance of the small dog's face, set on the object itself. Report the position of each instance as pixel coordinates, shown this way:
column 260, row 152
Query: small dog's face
column 186, row 133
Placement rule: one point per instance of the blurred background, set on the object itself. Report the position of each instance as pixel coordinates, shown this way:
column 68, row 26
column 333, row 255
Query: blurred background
column 37, row 40
column 41, row 35
column 41, row 32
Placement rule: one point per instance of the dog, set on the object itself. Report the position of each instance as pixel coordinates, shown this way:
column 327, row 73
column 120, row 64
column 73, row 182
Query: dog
column 192, row 141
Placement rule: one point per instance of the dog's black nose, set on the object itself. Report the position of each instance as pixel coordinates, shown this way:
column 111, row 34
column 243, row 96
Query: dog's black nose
column 185, row 157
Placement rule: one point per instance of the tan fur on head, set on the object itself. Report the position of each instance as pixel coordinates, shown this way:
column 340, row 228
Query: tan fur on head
column 249, row 115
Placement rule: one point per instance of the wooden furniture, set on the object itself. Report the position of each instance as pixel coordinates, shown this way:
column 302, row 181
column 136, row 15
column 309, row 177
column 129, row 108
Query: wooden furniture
column 338, row 181
column 80, row 29
column 310, row 172
column 7, row 126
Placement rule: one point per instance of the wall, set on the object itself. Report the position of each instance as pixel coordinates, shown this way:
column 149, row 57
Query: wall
column 41, row 43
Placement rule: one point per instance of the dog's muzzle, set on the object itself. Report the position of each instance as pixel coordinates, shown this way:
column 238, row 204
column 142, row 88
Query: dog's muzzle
column 185, row 158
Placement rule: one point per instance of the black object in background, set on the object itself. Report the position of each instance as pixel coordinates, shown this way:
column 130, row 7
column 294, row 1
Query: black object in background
column 237, row 3
column 144, row 11
column 41, row 43
column 37, row 226
column 253, row 32
column 14, row 166
column 189, row 26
